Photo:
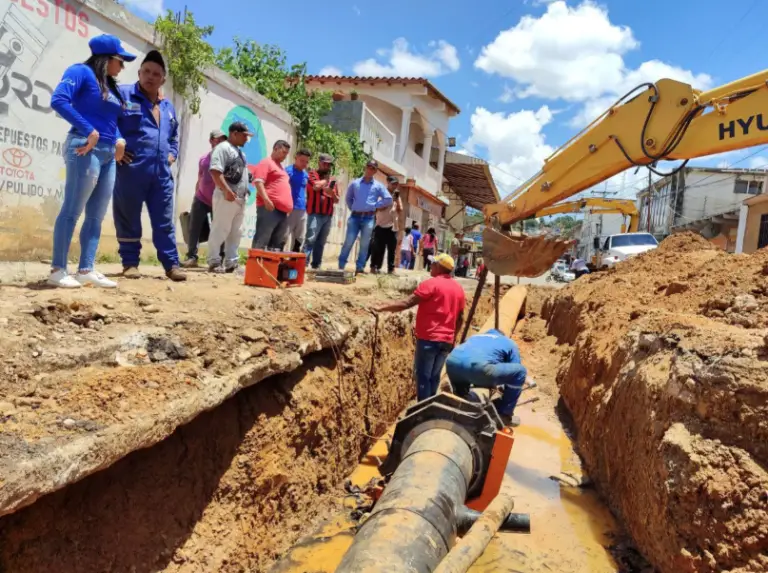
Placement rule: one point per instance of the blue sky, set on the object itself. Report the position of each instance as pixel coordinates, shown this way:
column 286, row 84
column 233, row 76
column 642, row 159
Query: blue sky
column 525, row 73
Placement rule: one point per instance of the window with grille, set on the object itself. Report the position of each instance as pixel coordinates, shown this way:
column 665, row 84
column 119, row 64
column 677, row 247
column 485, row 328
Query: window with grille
column 748, row 187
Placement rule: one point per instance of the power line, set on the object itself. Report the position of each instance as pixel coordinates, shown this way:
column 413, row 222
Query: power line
column 729, row 35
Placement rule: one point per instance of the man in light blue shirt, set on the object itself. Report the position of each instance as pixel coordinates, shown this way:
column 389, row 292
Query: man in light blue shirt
column 364, row 196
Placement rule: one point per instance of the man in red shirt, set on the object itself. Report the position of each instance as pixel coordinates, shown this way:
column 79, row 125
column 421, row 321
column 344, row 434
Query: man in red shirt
column 439, row 317
column 273, row 199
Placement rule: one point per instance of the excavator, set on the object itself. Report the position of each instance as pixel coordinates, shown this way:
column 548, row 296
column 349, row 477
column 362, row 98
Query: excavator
column 663, row 121
column 598, row 206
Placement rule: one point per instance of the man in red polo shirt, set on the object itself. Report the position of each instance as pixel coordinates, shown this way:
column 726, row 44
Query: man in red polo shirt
column 273, row 199
column 439, row 317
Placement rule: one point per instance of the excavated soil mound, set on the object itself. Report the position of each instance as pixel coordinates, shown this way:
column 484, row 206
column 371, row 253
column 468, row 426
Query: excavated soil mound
column 667, row 380
column 233, row 489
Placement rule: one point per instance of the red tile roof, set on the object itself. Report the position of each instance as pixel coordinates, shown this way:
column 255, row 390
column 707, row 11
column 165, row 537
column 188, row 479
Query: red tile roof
column 357, row 80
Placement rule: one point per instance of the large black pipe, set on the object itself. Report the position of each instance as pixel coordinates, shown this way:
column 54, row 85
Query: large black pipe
column 413, row 525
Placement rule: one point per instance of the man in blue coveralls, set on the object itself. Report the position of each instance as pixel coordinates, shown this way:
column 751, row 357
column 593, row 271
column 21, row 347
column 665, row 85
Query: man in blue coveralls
column 150, row 129
column 488, row 360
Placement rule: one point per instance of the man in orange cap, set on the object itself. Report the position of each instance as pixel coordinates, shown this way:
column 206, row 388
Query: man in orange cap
column 441, row 302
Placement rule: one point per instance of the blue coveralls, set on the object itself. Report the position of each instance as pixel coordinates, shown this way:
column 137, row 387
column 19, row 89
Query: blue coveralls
column 147, row 179
column 488, row 360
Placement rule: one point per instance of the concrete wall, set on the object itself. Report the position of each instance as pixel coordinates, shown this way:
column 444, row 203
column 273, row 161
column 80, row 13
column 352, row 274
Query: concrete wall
column 752, row 231
column 40, row 39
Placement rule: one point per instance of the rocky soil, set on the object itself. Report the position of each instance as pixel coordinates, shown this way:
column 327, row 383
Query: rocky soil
column 86, row 377
column 233, row 489
column 666, row 375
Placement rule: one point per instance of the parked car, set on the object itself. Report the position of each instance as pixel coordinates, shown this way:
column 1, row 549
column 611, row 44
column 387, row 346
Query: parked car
column 560, row 273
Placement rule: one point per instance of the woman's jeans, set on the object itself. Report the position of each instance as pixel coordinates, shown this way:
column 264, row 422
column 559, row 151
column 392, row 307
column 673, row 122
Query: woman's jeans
column 89, row 185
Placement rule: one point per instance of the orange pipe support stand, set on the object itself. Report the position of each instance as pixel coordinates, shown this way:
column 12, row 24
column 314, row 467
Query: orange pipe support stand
column 502, row 447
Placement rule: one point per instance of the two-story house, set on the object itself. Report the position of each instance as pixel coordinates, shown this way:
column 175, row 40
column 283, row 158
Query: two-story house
column 403, row 122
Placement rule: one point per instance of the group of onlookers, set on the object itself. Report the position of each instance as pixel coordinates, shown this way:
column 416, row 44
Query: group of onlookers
column 122, row 144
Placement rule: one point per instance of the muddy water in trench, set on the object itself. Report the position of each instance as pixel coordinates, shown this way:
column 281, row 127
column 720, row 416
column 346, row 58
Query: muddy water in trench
column 570, row 527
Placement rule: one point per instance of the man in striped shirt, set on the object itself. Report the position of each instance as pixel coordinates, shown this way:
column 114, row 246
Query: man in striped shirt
column 322, row 196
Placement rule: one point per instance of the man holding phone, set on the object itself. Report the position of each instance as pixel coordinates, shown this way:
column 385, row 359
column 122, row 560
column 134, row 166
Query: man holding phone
column 322, row 196
column 385, row 231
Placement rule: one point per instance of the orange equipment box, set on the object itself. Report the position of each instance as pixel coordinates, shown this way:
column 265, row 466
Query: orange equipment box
column 271, row 269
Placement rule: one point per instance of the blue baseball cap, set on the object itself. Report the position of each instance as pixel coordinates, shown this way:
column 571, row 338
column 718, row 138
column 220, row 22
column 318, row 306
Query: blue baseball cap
column 108, row 45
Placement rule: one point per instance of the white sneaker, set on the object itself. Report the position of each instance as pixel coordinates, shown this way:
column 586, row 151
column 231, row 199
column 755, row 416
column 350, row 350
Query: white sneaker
column 63, row 279
column 94, row 278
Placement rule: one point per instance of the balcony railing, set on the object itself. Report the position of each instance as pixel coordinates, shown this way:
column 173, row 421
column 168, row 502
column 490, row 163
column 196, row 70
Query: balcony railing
column 415, row 165
column 377, row 135
column 433, row 180
column 425, row 175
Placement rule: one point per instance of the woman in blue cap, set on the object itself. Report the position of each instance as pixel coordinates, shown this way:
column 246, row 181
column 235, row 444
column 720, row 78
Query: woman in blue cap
column 88, row 98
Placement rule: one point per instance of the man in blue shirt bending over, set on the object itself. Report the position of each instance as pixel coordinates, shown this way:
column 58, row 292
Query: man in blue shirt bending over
column 488, row 360
column 364, row 196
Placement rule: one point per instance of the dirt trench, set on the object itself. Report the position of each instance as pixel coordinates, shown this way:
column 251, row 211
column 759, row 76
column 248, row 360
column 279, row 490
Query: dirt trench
column 233, row 489
column 666, row 375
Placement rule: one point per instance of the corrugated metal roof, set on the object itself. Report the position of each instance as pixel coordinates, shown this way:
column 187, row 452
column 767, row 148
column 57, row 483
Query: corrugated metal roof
column 371, row 80
column 471, row 179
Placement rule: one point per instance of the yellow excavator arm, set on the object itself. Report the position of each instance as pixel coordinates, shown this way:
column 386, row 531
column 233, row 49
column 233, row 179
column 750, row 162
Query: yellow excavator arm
column 668, row 120
column 597, row 206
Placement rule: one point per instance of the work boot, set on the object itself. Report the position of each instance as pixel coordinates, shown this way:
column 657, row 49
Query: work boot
column 506, row 419
column 176, row 275
column 510, row 420
column 131, row 273
column 190, row 264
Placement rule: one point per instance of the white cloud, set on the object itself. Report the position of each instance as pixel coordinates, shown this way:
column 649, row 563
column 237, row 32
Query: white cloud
column 568, row 53
column 514, row 142
column 356, row 10
column 330, row 71
column 507, row 95
column 149, row 7
column 575, row 54
column 401, row 61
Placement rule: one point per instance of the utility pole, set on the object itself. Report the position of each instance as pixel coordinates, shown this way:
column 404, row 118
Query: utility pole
column 650, row 198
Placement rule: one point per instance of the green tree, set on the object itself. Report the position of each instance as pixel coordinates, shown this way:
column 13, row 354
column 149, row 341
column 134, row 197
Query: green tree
column 187, row 54
column 264, row 68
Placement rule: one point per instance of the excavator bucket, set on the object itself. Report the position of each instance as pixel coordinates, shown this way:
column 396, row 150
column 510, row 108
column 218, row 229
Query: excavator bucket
column 519, row 255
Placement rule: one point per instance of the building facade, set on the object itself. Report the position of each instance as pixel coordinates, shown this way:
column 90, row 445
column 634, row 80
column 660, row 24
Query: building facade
column 702, row 199
column 403, row 123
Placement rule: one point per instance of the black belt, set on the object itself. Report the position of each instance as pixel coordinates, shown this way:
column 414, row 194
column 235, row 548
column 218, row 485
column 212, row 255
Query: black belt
column 363, row 212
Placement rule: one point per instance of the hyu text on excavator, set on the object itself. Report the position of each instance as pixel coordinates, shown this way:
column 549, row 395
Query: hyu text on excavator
column 665, row 121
